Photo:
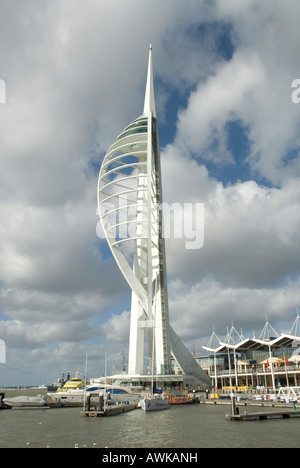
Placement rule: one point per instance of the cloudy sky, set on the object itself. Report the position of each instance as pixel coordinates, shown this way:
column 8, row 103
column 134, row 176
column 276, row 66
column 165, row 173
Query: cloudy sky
column 75, row 76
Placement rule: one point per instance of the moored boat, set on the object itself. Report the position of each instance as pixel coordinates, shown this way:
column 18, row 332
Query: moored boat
column 22, row 402
column 180, row 400
column 71, row 393
column 76, row 397
column 154, row 402
column 75, row 383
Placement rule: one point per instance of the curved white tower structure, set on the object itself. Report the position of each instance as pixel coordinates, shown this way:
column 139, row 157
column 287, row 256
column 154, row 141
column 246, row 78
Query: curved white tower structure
column 129, row 199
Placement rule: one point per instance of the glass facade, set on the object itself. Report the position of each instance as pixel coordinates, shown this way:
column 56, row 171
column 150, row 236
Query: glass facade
column 138, row 126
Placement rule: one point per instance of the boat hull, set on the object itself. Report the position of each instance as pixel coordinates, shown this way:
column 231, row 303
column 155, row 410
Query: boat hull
column 153, row 404
column 25, row 402
column 182, row 401
column 77, row 397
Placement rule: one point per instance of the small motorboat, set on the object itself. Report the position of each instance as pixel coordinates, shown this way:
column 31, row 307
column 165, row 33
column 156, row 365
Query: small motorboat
column 181, row 400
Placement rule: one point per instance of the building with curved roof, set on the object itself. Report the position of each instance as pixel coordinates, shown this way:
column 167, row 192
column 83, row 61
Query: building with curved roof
column 269, row 361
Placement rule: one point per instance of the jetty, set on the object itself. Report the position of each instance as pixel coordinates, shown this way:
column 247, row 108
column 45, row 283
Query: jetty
column 236, row 416
column 110, row 410
column 263, row 416
column 97, row 407
column 250, row 403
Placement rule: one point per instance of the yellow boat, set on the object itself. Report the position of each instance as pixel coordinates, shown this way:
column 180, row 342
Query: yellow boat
column 76, row 383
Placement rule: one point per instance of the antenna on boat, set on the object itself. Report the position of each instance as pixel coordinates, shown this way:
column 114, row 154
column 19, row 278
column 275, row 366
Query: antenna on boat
column 85, row 380
column 105, row 395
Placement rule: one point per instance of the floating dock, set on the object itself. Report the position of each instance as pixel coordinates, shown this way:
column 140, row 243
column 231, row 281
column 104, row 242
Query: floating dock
column 96, row 407
column 112, row 410
column 236, row 416
column 263, row 416
column 263, row 404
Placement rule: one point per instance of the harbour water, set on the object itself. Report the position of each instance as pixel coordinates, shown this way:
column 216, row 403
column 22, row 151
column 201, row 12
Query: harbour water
column 195, row 426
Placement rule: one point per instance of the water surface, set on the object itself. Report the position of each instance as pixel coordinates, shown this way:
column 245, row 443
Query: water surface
column 195, row 426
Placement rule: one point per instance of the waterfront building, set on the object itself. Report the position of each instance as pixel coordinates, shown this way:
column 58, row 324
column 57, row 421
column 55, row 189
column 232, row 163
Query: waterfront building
column 129, row 202
column 268, row 362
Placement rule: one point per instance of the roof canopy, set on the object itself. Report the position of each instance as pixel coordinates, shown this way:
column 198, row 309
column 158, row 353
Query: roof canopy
column 236, row 342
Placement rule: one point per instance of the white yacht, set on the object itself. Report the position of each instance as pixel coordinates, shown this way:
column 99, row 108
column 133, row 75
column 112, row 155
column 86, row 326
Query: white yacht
column 77, row 396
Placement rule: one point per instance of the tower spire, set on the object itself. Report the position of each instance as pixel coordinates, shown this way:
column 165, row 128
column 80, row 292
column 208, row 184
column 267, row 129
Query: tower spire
column 149, row 105
column 131, row 173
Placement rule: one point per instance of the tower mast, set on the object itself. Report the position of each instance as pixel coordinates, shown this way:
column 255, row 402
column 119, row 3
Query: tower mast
column 156, row 247
column 129, row 201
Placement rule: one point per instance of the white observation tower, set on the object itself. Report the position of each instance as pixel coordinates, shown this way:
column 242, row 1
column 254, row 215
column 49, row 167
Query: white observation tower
column 129, row 199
